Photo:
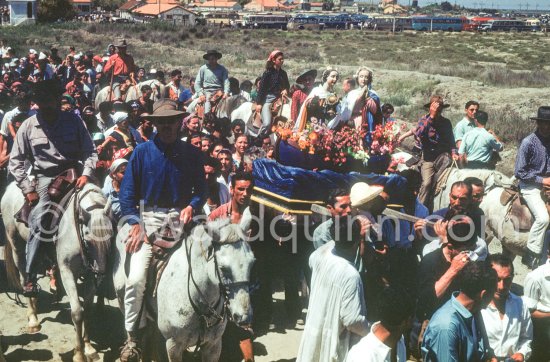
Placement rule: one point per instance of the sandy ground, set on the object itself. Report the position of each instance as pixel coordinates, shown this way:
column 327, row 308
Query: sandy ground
column 55, row 341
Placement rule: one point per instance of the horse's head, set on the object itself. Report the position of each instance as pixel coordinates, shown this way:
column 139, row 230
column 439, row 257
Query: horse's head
column 94, row 217
column 234, row 262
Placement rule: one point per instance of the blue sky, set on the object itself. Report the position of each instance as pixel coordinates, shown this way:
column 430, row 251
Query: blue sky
column 502, row 4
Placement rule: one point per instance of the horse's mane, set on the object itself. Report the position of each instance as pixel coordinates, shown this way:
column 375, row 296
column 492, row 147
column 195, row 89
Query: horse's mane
column 220, row 231
column 96, row 196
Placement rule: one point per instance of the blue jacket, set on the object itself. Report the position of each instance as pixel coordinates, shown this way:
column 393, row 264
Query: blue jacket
column 168, row 176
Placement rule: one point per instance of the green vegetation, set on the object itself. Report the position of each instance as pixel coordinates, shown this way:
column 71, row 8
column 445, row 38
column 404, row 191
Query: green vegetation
column 500, row 61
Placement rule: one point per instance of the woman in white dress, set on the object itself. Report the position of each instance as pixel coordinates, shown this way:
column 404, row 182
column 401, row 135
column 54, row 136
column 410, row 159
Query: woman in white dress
column 325, row 94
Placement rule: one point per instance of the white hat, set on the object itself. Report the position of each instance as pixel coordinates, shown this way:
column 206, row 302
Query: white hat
column 42, row 56
column 120, row 117
column 361, row 193
column 153, row 71
column 32, row 51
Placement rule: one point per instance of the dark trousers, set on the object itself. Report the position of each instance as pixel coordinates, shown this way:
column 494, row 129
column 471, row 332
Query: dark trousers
column 541, row 339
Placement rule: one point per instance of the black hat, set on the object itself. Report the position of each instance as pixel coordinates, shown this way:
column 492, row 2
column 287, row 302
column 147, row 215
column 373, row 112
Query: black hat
column 46, row 89
column 308, row 73
column 543, row 114
column 208, row 53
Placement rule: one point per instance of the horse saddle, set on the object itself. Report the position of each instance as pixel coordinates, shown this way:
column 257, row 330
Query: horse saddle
column 162, row 249
column 59, row 190
column 518, row 211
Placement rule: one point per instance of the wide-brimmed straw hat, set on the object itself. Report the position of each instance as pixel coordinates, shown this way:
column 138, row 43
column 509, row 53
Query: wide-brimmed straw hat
column 165, row 108
column 543, row 114
column 208, row 53
column 308, row 73
column 361, row 193
column 436, row 99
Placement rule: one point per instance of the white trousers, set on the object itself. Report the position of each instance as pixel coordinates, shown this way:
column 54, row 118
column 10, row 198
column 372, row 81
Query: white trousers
column 531, row 195
column 139, row 264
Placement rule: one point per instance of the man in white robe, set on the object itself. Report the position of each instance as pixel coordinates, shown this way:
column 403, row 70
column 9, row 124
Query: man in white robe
column 336, row 312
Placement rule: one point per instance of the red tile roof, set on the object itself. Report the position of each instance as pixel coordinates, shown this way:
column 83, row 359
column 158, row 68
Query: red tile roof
column 129, row 5
column 153, row 9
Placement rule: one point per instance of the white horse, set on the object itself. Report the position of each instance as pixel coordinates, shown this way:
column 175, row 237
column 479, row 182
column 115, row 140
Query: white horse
column 490, row 178
column 132, row 93
column 245, row 110
column 86, row 217
column 205, row 282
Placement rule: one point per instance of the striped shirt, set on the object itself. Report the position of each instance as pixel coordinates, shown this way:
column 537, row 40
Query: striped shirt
column 533, row 160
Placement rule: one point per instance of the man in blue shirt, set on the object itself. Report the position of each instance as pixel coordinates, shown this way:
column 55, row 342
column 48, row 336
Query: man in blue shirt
column 165, row 179
column 533, row 172
column 456, row 330
column 478, row 144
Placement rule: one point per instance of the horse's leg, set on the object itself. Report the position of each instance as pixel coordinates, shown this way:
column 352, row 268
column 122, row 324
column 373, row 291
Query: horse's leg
column 211, row 351
column 33, row 325
column 77, row 312
column 89, row 351
column 174, row 350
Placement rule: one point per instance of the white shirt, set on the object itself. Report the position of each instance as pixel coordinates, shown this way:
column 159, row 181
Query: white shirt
column 537, row 289
column 511, row 334
column 336, row 308
column 9, row 116
column 480, row 252
column 371, row 349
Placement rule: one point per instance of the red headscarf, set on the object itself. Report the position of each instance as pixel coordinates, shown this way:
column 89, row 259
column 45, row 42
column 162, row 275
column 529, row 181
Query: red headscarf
column 274, row 54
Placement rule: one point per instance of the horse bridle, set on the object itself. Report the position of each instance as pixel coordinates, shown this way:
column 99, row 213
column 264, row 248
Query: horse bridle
column 86, row 259
column 223, row 298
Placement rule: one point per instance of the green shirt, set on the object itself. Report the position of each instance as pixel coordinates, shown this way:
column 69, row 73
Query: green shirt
column 463, row 127
column 478, row 144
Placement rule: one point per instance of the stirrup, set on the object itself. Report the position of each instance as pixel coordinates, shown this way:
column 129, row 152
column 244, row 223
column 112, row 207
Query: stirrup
column 130, row 352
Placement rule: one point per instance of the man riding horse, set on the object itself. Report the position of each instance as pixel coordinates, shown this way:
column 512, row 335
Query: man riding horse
column 167, row 176
column 52, row 142
column 212, row 79
column 119, row 68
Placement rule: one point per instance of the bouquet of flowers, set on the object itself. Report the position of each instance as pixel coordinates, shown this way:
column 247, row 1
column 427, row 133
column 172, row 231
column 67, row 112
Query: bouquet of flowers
column 384, row 138
column 335, row 147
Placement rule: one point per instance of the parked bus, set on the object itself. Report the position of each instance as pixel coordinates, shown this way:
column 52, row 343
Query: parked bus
column 476, row 23
column 426, row 23
column 509, row 25
column 221, row 18
column 387, row 23
column 265, row 21
column 306, row 21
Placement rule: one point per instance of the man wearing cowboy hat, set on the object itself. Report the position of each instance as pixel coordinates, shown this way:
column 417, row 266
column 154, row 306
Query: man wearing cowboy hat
column 435, row 133
column 533, row 172
column 53, row 142
column 121, row 65
column 304, row 84
column 211, row 78
column 166, row 176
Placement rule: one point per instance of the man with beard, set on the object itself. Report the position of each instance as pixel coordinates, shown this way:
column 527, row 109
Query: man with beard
column 53, row 142
column 507, row 319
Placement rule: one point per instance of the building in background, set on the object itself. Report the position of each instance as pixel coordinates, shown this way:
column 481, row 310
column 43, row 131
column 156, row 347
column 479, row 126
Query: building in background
column 22, row 11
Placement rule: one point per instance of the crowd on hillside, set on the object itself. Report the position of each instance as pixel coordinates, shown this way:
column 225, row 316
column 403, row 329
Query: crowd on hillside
column 379, row 290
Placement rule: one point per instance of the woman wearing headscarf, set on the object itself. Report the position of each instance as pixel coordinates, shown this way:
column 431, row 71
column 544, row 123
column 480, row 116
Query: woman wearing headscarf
column 111, row 188
column 121, row 137
column 273, row 85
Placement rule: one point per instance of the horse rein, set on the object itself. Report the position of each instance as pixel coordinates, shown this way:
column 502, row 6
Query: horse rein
column 86, row 259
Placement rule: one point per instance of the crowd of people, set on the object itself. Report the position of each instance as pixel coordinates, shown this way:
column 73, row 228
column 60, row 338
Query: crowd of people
column 379, row 289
